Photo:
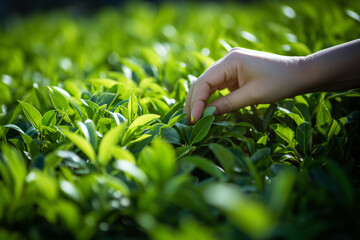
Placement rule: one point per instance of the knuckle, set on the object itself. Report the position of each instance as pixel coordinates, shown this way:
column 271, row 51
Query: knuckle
column 233, row 55
column 204, row 86
column 235, row 49
column 227, row 105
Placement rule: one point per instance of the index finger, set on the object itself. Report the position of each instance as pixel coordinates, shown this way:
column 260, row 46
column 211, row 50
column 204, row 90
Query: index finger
column 204, row 86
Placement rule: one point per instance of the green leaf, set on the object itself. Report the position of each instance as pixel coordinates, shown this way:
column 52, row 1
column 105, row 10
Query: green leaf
column 89, row 130
column 81, row 143
column 132, row 107
column 284, row 132
column 38, row 162
column 13, row 168
column 32, row 114
column 334, row 130
column 118, row 117
column 323, row 118
column 115, row 183
column 176, row 119
column 31, row 145
column 71, row 190
column 294, row 116
column 158, row 161
column 144, row 120
column 204, row 164
column 184, row 131
column 281, row 187
column 201, row 129
column 209, row 111
column 260, row 154
column 108, row 83
column 120, row 153
column 174, row 111
column 44, row 183
column 109, row 141
column 249, row 214
column 262, row 140
column 224, row 156
column 170, row 135
column 131, row 169
column 49, row 118
column 59, row 101
column 343, row 182
column 81, row 111
column 16, row 128
column 269, row 114
column 303, row 133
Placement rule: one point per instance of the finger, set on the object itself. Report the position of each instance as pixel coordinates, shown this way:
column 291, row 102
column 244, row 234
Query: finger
column 187, row 104
column 216, row 77
column 237, row 99
column 201, row 93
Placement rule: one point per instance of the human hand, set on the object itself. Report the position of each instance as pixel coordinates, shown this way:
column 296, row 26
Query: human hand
column 253, row 77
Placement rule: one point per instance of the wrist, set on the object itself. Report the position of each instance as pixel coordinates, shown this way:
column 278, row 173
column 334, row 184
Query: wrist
column 311, row 75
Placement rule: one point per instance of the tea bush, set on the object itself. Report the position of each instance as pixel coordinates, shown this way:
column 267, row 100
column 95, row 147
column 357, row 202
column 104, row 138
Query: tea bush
column 94, row 144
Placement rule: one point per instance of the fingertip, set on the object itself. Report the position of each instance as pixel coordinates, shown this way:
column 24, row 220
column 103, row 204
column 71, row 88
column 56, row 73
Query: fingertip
column 197, row 111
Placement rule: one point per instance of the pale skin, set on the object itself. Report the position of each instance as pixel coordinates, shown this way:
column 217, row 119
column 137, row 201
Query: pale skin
column 255, row 77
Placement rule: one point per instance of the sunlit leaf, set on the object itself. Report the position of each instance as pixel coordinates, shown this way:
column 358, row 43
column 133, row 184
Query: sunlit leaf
column 89, row 130
column 32, row 114
column 49, row 118
column 250, row 215
column 201, row 129
column 59, row 101
column 81, row 143
column 284, row 132
column 108, row 142
column 323, row 118
column 144, row 120
column 132, row 107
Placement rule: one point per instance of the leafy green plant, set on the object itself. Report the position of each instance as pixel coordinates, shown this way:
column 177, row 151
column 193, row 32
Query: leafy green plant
column 94, row 143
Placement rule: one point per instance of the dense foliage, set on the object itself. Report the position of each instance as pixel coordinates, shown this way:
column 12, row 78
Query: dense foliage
column 94, row 144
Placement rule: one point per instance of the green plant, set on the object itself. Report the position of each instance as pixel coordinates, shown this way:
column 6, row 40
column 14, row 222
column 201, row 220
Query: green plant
column 94, row 144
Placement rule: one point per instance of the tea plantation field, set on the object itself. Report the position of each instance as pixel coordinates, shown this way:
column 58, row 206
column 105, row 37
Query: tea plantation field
column 94, row 144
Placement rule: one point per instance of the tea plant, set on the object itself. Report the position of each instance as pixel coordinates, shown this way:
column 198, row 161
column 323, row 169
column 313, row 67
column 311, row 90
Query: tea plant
column 94, row 144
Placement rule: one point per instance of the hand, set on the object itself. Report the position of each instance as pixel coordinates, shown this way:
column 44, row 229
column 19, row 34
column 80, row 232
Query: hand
column 253, row 77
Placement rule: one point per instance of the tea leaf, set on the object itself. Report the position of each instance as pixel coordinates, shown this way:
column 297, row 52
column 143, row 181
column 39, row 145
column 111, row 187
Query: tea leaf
column 250, row 215
column 108, row 143
column 286, row 133
column 89, row 130
column 58, row 100
column 144, row 120
column 209, row 111
column 201, row 129
column 49, row 118
column 224, row 156
column 81, row 143
column 132, row 107
column 131, row 169
column 205, row 165
column 303, row 133
column 32, row 114
column 269, row 114
column 323, row 119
